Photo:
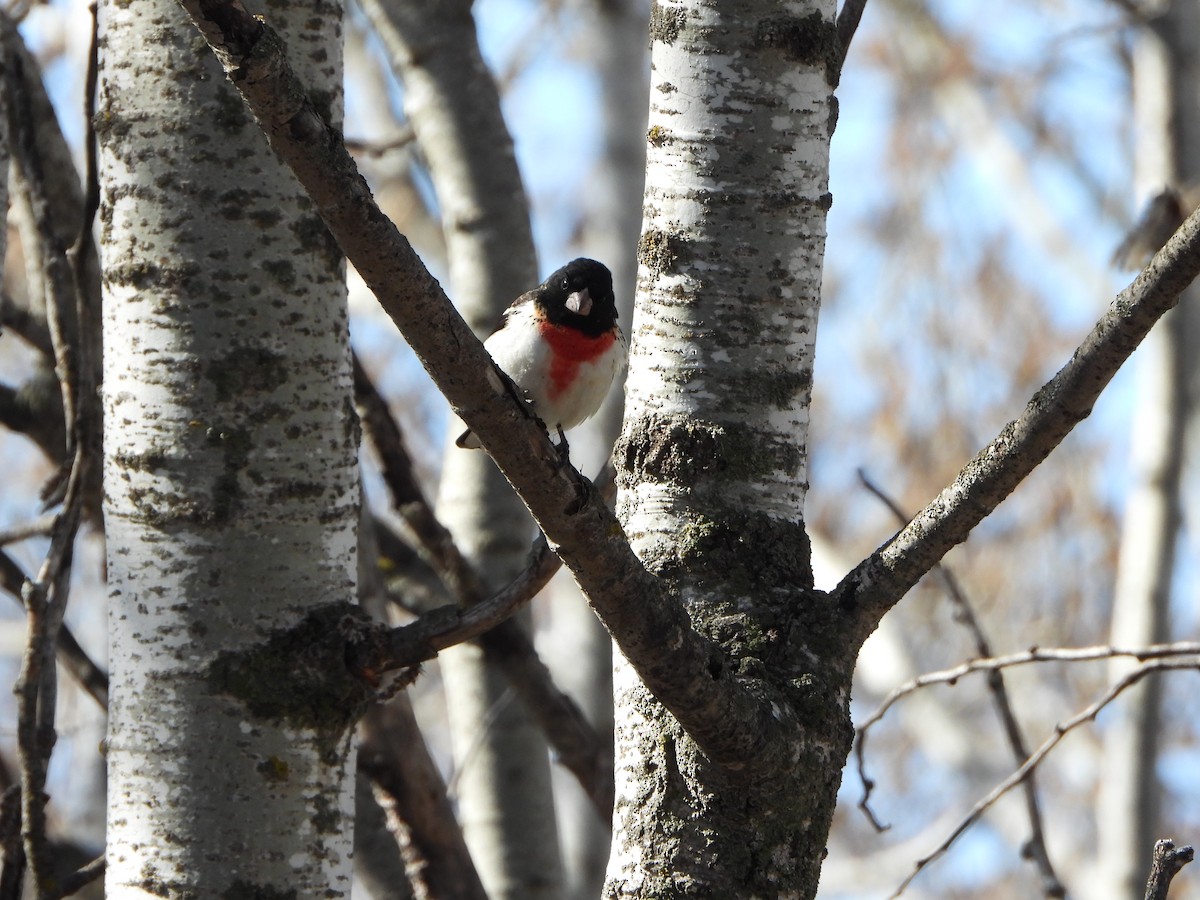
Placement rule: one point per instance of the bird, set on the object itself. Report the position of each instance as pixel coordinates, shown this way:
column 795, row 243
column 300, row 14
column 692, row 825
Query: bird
column 561, row 345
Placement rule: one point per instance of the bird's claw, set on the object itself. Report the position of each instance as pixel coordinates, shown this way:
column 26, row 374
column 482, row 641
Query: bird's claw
column 564, row 450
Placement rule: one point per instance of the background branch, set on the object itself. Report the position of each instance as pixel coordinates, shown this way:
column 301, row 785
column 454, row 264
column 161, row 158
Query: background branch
column 1035, row 759
column 1035, row 848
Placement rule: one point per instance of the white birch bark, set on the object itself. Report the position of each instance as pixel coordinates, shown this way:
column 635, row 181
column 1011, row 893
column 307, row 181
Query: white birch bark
column 714, row 444
column 1167, row 152
column 502, row 765
column 231, row 478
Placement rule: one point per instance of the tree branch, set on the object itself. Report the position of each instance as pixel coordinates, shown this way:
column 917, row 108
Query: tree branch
column 80, row 878
column 71, row 656
column 953, row 675
column 879, row 582
column 693, row 681
column 1035, row 849
column 847, row 24
column 1060, row 731
column 476, row 616
column 1168, row 860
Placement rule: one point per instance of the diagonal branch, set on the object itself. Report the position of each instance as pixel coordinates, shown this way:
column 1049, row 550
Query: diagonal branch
column 574, row 741
column 693, row 681
column 879, row 582
column 847, row 25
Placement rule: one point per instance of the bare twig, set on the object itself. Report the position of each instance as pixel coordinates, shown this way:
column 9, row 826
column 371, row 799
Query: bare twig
column 45, row 598
column 1168, row 860
column 453, row 624
column 1035, row 759
column 1184, row 650
column 1035, row 848
column 37, row 528
column 430, row 538
column 35, row 410
column 60, row 295
column 19, row 320
column 380, row 148
column 407, row 786
column 80, row 878
column 71, row 656
column 414, row 800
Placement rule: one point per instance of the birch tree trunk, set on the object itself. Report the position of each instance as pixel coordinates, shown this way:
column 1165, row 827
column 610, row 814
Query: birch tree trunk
column 501, row 760
column 714, row 445
column 1166, row 97
column 231, row 478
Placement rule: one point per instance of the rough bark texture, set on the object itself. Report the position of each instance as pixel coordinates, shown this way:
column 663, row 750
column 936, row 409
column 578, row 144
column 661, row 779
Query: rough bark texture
column 501, row 759
column 231, row 478
column 713, row 455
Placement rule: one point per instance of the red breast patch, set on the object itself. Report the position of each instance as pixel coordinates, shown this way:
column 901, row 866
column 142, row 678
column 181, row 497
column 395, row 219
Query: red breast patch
column 569, row 348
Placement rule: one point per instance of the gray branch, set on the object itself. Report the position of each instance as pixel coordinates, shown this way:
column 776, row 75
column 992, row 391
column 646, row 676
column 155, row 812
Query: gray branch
column 1168, row 860
column 879, row 582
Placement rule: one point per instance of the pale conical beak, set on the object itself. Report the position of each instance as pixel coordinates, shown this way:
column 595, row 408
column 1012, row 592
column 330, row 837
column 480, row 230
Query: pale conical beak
column 580, row 302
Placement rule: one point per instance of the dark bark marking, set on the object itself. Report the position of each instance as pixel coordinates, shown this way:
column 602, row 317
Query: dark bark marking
column 665, row 24
column 659, row 251
column 304, row 675
column 809, row 41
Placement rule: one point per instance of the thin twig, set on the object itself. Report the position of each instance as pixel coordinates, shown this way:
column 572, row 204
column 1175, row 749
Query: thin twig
column 454, row 624
column 36, row 686
column 1167, row 861
column 953, row 675
column 379, row 148
column 431, row 539
column 1035, row 848
column 1060, row 731
column 60, row 295
column 71, row 656
column 80, row 878
column 45, row 598
column 16, row 533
